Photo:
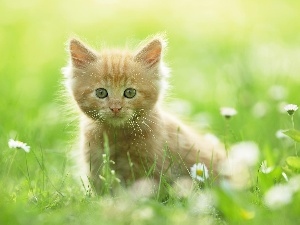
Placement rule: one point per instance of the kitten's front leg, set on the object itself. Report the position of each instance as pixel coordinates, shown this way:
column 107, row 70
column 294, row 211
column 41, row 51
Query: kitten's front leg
column 92, row 148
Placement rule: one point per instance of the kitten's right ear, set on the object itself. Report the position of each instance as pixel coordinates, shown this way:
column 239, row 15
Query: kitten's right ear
column 81, row 55
column 151, row 53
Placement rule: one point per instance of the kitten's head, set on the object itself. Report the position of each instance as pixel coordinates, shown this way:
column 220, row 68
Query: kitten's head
column 115, row 86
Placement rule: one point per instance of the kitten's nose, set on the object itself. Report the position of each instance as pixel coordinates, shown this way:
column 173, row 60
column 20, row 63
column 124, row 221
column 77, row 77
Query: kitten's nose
column 115, row 110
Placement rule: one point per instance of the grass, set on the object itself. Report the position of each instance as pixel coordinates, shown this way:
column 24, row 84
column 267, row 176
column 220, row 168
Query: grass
column 239, row 54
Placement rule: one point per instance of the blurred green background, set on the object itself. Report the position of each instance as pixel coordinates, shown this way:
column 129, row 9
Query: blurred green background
column 243, row 54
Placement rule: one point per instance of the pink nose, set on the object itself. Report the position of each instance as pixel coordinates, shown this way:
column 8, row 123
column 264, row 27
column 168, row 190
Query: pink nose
column 115, row 109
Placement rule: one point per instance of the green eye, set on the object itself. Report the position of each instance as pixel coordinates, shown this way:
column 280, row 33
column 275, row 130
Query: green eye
column 129, row 93
column 101, row 93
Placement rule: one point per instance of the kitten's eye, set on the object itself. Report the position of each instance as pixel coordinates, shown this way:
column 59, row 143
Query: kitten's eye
column 101, row 93
column 129, row 93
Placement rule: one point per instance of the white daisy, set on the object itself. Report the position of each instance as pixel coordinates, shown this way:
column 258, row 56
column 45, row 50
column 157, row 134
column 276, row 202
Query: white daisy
column 246, row 152
column 199, row 172
column 264, row 167
column 291, row 108
column 236, row 168
column 278, row 196
column 18, row 144
column 228, row 112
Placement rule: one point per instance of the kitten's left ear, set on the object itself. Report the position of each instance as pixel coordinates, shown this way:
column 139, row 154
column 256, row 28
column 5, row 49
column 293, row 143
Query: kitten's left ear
column 151, row 53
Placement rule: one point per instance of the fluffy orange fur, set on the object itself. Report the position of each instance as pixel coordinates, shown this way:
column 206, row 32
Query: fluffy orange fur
column 136, row 126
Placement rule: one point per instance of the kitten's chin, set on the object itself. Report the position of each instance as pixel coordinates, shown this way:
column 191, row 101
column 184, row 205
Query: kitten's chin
column 117, row 121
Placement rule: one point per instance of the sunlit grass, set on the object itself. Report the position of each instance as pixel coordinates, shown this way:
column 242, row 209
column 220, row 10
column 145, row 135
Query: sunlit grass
column 240, row 54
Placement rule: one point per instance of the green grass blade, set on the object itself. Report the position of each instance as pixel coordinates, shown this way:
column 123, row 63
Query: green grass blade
column 294, row 134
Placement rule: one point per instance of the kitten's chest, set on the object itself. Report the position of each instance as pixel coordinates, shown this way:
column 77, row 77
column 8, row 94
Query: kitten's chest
column 129, row 153
column 134, row 143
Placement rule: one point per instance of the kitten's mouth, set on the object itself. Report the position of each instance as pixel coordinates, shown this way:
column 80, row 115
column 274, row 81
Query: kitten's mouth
column 117, row 119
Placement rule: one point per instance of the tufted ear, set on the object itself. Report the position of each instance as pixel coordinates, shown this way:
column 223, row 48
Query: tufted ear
column 151, row 53
column 81, row 55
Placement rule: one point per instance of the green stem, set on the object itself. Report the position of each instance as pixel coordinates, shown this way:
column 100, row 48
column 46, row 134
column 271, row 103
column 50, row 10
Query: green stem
column 29, row 180
column 226, row 136
column 293, row 126
column 131, row 166
column 13, row 158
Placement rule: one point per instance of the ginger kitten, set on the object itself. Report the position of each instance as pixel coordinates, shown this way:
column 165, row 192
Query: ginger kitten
column 118, row 94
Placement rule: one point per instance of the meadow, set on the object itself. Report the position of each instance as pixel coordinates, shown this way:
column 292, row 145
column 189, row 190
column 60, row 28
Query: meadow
column 239, row 54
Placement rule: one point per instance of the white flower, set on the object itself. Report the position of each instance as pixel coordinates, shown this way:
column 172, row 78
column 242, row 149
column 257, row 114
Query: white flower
column 264, row 167
column 291, row 108
column 282, row 194
column 280, row 135
column 260, row 109
column 183, row 187
column 18, row 144
column 236, row 168
column 199, row 172
column 203, row 202
column 246, row 152
column 212, row 139
column 278, row 196
column 142, row 189
column 236, row 175
column 277, row 92
column 228, row 112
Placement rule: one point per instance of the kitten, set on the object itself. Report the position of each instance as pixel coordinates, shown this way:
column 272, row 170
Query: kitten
column 119, row 95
